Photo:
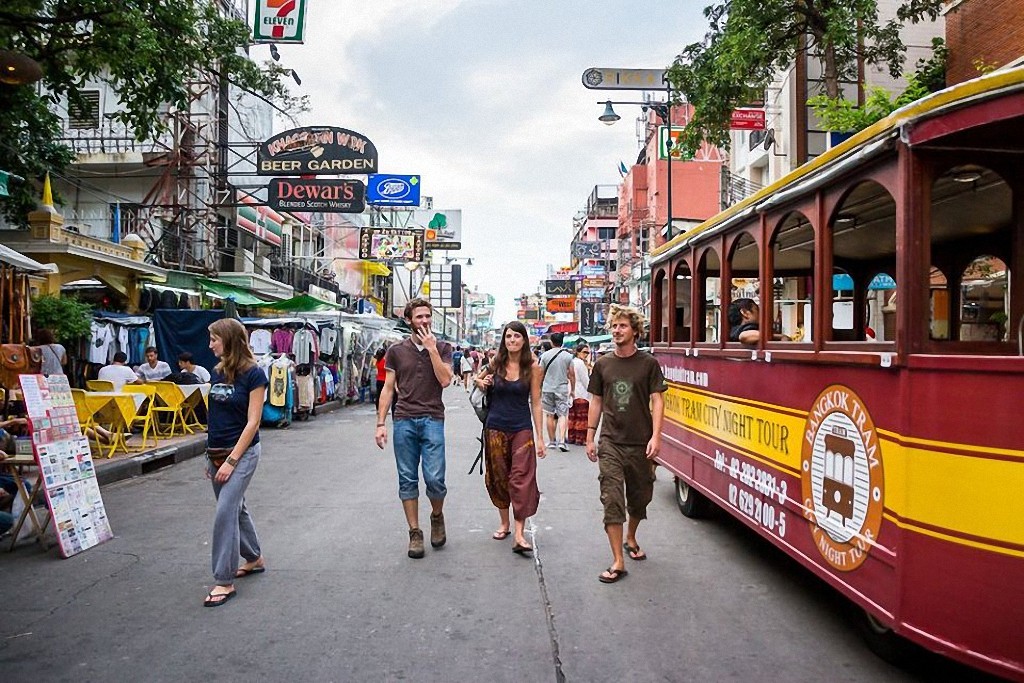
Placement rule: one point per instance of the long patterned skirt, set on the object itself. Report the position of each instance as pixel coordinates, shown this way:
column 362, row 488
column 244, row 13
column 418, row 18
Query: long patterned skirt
column 578, row 422
column 511, row 473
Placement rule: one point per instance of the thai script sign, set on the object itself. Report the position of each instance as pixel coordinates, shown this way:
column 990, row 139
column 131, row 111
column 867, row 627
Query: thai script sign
column 316, row 150
column 279, row 21
column 393, row 190
column 323, row 196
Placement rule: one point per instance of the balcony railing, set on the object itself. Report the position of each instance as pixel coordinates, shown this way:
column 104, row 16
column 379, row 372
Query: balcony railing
column 113, row 137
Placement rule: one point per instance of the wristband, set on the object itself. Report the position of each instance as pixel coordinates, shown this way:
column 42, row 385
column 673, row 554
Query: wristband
column 231, row 461
column 381, row 424
column 594, row 428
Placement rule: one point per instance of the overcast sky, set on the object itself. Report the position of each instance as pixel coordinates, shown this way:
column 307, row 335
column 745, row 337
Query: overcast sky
column 483, row 99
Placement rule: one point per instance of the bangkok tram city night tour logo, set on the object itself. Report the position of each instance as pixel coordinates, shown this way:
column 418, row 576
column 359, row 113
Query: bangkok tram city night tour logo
column 842, row 478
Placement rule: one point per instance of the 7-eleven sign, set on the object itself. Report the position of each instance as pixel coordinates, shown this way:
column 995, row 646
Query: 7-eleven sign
column 279, row 21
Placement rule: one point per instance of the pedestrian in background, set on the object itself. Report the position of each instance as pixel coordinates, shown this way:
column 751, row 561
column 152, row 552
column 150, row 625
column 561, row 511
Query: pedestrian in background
column 559, row 384
column 577, row 422
column 626, row 398
column 378, row 361
column 466, row 367
column 55, row 357
column 418, row 370
column 514, row 432
column 233, row 452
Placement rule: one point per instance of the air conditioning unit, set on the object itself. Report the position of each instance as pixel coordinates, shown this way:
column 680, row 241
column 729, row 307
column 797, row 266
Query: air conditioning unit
column 244, row 261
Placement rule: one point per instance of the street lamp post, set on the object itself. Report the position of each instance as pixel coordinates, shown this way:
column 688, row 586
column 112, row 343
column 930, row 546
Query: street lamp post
column 664, row 112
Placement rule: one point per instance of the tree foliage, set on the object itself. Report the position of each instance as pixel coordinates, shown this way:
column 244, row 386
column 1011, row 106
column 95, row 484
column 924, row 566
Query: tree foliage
column 748, row 41
column 837, row 114
column 148, row 51
column 68, row 318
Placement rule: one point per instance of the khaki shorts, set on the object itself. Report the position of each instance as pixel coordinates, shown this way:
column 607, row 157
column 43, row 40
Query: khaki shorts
column 627, row 481
column 555, row 403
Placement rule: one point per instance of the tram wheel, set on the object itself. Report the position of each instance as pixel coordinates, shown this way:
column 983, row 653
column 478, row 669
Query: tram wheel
column 882, row 640
column 691, row 503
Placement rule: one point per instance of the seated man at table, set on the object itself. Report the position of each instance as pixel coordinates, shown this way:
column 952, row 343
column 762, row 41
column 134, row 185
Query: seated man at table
column 154, row 369
column 187, row 365
column 117, row 373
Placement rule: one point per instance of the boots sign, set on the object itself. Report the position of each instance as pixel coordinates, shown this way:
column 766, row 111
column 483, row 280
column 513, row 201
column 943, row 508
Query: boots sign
column 316, row 150
column 316, row 195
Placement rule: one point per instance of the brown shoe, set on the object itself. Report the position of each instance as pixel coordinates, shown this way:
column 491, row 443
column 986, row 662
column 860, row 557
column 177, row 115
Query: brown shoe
column 437, row 534
column 416, row 550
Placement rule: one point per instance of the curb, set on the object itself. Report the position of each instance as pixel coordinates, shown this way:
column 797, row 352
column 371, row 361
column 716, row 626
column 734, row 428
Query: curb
column 111, row 471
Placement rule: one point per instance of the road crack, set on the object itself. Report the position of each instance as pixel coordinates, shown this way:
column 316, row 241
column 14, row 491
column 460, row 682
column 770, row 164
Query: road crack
column 549, row 613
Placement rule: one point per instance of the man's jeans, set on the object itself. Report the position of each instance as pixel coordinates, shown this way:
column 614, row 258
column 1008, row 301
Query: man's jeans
column 420, row 440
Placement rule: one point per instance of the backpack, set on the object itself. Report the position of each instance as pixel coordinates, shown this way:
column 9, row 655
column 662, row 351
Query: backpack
column 480, row 400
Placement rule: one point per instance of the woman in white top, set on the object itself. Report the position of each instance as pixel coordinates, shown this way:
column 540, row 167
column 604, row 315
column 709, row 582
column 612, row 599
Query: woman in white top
column 466, row 368
column 55, row 357
column 577, row 422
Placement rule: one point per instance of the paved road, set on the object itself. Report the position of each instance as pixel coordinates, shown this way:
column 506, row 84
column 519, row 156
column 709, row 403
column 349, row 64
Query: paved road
column 342, row 602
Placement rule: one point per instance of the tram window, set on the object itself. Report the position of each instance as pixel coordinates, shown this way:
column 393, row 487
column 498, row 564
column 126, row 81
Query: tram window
column 938, row 324
column 682, row 282
column 984, row 300
column 710, row 298
column 793, row 281
column 973, row 231
column 880, row 313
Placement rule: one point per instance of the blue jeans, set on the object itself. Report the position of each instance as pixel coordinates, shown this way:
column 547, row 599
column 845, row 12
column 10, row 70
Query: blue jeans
column 420, row 440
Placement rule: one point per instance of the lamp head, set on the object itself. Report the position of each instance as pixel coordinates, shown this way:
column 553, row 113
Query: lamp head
column 609, row 116
column 17, row 68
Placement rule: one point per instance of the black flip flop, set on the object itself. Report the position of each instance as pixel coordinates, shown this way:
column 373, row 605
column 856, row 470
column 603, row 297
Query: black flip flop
column 521, row 549
column 213, row 601
column 616, row 574
column 634, row 550
column 501, row 535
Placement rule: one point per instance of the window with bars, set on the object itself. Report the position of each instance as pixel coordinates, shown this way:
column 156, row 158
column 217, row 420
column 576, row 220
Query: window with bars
column 85, row 115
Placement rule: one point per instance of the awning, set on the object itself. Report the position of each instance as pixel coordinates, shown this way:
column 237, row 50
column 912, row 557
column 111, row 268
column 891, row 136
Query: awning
column 375, row 268
column 19, row 260
column 304, row 303
column 241, row 296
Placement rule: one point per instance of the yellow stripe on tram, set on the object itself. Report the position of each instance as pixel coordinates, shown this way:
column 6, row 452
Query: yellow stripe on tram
column 960, row 492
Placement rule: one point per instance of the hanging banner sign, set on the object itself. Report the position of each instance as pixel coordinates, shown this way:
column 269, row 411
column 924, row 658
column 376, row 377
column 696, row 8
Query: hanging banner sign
column 393, row 190
column 564, row 305
column 560, row 287
column 747, row 119
column 581, row 249
column 321, row 196
column 592, row 294
column 597, row 78
column 391, row 244
column 279, row 21
column 593, row 282
column 587, row 323
column 316, row 150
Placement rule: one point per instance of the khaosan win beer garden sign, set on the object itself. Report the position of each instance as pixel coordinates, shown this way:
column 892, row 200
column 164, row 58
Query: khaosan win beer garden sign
column 316, row 150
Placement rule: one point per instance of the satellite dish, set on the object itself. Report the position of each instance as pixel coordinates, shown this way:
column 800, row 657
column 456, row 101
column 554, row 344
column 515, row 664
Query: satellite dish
column 769, row 139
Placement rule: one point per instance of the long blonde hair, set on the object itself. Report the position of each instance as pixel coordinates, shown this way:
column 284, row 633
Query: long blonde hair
column 236, row 357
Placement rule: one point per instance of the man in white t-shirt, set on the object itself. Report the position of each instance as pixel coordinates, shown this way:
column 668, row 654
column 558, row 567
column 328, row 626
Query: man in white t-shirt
column 153, row 370
column 186, row 364
column 117, row 373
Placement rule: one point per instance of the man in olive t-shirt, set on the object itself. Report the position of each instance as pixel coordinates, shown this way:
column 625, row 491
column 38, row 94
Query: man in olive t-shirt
column 626, row 400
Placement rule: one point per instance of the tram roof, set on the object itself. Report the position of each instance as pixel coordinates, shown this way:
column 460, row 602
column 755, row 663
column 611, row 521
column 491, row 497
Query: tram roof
column 858, row 148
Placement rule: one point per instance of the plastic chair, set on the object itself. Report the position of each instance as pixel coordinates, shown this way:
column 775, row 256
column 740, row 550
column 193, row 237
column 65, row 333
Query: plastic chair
column 146, row 416
column 99, row 385
column 85, row 416
column 173, row 400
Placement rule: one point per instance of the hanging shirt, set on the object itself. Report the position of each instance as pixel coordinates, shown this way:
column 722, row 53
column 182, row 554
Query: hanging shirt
column 259, row 341
column 302, row 346
column 328, row 340
column 122, row 343
column 99, row 346
column 281, row 340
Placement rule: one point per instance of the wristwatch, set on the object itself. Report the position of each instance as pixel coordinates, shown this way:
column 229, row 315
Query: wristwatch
column 231, row 461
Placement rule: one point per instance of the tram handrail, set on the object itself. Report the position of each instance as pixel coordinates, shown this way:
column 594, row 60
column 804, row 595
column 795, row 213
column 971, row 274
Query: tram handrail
column 1020, row 336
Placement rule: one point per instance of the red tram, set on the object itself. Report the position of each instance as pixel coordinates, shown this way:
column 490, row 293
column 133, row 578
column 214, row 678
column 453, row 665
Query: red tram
column 874, row 431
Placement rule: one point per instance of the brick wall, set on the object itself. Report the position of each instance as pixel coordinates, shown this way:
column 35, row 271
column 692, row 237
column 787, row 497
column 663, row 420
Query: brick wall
column 990, row 30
